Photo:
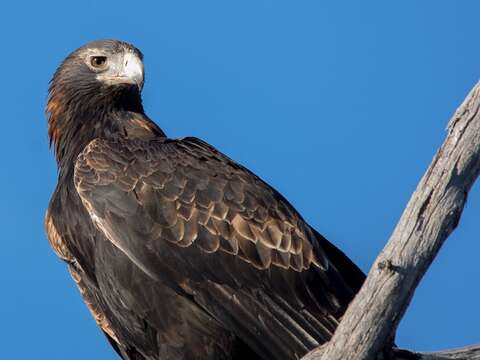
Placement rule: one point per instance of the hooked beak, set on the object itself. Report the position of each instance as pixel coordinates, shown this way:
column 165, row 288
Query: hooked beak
column 131, row 72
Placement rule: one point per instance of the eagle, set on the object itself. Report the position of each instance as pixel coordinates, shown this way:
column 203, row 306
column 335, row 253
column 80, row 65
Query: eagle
column 178, row 251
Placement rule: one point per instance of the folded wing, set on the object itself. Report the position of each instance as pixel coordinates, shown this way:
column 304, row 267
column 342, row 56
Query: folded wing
column 192, row 218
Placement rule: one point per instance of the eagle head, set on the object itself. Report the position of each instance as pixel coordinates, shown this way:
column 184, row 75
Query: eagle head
column 95, row 80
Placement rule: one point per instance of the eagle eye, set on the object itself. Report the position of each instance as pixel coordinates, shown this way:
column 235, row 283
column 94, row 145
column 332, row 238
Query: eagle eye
column 98, row 62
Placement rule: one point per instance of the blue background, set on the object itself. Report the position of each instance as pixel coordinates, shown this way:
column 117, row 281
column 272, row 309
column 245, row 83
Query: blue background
column 338, row 104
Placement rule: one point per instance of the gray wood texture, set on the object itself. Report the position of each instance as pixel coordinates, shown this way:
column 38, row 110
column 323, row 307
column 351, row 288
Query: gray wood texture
column 433, row 212
column 466, row 353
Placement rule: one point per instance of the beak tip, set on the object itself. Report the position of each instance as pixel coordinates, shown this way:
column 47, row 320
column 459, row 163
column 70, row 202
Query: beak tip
column 133, row 69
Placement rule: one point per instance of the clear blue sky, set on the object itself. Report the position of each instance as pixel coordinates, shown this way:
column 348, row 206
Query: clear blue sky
column 338, row 104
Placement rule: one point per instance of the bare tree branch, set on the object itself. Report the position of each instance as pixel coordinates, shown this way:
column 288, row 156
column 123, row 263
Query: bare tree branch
column 469, row 352
column 433, row 212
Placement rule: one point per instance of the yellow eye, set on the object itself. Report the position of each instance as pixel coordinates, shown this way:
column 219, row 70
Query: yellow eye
column 98, row 61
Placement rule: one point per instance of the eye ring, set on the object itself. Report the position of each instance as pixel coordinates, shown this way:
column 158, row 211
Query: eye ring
column 98, row 62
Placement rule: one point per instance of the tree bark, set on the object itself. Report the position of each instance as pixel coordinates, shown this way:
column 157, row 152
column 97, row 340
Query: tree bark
column 433, row 212
column 469, row 352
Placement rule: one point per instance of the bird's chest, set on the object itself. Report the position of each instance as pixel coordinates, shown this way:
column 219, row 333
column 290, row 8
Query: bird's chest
column 70, row 231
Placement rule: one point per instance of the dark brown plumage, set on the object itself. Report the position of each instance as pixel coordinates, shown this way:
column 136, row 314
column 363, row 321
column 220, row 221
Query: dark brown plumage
column 178, row 251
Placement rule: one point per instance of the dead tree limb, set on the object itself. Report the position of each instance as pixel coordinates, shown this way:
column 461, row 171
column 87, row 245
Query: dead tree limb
column 469, row 352
column 433, row 212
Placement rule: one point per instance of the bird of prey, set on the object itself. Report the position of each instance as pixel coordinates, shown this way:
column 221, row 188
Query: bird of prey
column 178, row 251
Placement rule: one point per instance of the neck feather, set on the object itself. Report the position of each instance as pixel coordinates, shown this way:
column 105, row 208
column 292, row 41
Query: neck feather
column 76, row 119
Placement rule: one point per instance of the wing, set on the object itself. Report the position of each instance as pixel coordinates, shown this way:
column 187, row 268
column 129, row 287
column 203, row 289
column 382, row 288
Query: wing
column 189, row 216
column 192, row 196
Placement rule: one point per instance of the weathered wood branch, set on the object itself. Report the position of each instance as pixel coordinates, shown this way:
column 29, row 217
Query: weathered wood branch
column 433, row 212
column 469, row 352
